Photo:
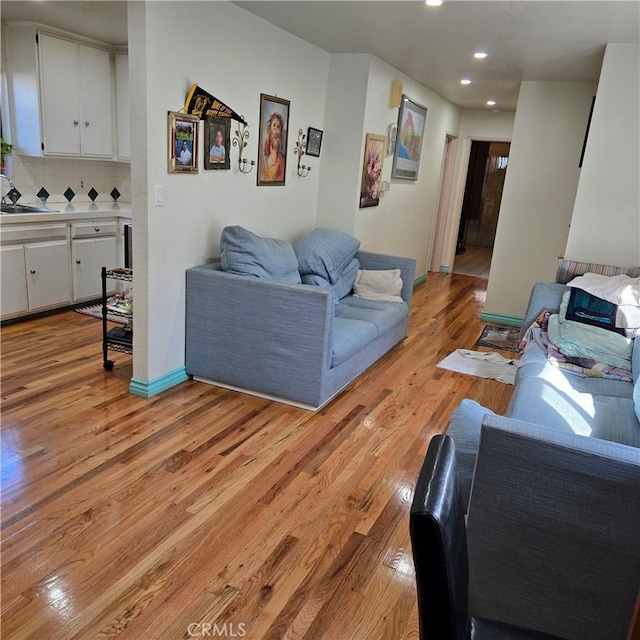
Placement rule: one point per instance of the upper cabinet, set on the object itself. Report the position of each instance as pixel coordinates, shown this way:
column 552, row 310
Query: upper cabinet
column 62, row 93
column 123, row 142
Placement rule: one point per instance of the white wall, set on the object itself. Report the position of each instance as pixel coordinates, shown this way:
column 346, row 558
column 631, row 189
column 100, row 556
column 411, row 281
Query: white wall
column 357, row 104
column 493, row 126
column 403, row 222
column 186, row 230
column 605, row 227
column 539, row 191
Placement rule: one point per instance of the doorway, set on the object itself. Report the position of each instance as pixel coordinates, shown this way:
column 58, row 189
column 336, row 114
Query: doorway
column 481, row 207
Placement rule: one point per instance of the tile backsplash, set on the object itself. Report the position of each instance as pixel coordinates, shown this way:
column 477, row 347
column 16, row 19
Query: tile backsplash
column 61, row 179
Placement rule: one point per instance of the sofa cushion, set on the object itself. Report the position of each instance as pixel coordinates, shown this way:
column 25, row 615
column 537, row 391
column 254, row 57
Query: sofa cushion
column 349, row 337
column 343, row 285
column 246, row 254
column 534, row 364
column 559, row 407
column 384, row 315
column 326, row 253
column 378, row 284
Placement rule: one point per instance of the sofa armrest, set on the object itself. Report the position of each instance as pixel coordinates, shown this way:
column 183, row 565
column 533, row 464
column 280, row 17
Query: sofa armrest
column 260, row 335
column 544, row 295
column 553, row 530
column 407, row 266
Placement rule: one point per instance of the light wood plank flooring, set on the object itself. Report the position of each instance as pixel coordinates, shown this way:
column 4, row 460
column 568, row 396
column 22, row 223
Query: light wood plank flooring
column 475, row 261
column 208, row 513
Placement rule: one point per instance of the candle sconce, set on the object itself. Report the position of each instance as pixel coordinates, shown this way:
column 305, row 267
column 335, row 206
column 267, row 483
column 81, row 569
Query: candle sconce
column 300, row 150
column 240, row 137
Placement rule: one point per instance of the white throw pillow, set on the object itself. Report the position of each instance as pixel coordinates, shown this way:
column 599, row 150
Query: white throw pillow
column 384, row 285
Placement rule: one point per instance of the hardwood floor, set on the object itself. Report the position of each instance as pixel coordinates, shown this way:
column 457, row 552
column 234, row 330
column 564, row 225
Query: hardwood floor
column 205, row 513
column 475, row 261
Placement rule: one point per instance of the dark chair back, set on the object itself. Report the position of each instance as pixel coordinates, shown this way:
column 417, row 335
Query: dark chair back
column 439, row 544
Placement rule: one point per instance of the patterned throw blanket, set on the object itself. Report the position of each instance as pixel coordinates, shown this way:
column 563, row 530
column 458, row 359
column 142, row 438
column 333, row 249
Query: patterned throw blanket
column 585, row 367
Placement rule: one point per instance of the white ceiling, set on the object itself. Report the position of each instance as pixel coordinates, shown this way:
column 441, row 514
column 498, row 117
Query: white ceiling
column 525, row 39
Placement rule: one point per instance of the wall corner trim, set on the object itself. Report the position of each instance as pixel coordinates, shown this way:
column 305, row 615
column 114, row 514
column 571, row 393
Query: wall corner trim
column 498, row 319
column 149, row 388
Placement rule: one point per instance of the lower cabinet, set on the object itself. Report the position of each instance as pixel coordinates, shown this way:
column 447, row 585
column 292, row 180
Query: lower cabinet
column 48, row 274
column 88, row 256
column 35, row 276
column 13, row 280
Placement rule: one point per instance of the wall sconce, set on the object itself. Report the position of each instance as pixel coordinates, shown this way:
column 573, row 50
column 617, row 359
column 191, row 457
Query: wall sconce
column 240, row 137
column 300, row 150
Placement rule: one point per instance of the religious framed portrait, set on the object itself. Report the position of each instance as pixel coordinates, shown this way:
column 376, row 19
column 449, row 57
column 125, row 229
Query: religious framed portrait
column 217, row 138
column 272, row 140
column 182, row 140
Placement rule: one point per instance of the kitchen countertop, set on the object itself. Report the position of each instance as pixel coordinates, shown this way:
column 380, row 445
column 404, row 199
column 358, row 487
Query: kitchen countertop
column 70, row 212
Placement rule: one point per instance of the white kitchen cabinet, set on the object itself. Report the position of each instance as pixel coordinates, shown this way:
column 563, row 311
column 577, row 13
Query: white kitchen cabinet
column 13, row 281
column 61, row 92
column 123, row 127
column 88, row 256
column 48, row 274
column 76, row 98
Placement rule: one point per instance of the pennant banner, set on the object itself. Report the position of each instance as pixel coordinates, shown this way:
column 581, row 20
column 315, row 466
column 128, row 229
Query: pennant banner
column 202, row 104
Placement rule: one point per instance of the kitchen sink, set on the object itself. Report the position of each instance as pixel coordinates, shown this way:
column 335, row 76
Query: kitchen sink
column 23, row 208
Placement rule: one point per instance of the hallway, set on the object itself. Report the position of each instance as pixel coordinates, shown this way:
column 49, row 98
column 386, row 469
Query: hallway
column 475, row 261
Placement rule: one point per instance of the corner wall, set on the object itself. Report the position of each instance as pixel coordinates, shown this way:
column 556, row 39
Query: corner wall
column 539, row 191
column 186, row 230
column 605, row 227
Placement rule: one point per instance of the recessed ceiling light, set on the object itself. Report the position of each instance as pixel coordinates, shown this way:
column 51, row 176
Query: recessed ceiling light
column 433, row 3
column 465, row 81
column 491, row 103
column 480, row 55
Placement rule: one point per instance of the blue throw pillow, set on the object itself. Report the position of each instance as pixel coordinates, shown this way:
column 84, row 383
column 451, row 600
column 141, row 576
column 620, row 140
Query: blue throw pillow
column 326, row 253
column 344, row 284
column 246, row 254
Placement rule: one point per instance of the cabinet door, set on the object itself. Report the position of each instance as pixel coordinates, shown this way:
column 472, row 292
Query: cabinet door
column 122, row 107
column 96, row 102
column 14, row 281
column 48, row 274
column 59, row 95
column 89, row 256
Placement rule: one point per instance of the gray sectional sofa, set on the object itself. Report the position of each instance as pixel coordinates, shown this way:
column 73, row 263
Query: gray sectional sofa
column 551, row 397
column 259, row 328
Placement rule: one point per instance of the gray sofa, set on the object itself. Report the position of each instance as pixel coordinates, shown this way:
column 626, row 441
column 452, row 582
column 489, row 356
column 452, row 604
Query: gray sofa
column 286, row 341
column 551, row 397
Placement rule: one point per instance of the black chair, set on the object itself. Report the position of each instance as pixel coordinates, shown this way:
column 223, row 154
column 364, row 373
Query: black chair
column 439, row 544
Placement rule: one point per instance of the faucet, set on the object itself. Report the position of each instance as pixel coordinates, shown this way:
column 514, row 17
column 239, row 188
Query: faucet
column 3, row 200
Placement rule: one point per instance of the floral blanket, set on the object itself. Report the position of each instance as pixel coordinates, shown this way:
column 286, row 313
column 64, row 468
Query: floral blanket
column 585, row 367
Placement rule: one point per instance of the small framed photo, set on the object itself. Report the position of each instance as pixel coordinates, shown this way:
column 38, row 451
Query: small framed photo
column 314, row 142
column 182, row 142
column 372, row 170
column 272, row 140
column 409, row 138
column 217, row 137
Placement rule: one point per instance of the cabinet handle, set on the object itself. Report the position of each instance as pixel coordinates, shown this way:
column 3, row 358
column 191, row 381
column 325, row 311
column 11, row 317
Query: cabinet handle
column 86, row 123
column 32, row 271
column 96, row 229
column 78, row 261
column 75, row 123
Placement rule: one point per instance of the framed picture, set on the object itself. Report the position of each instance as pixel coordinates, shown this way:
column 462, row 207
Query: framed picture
column 392, row 130
column 217, row 139
column 182, row 142
column 314, row 142
column 272, row 140
column 372, row 170
column 409, row 138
